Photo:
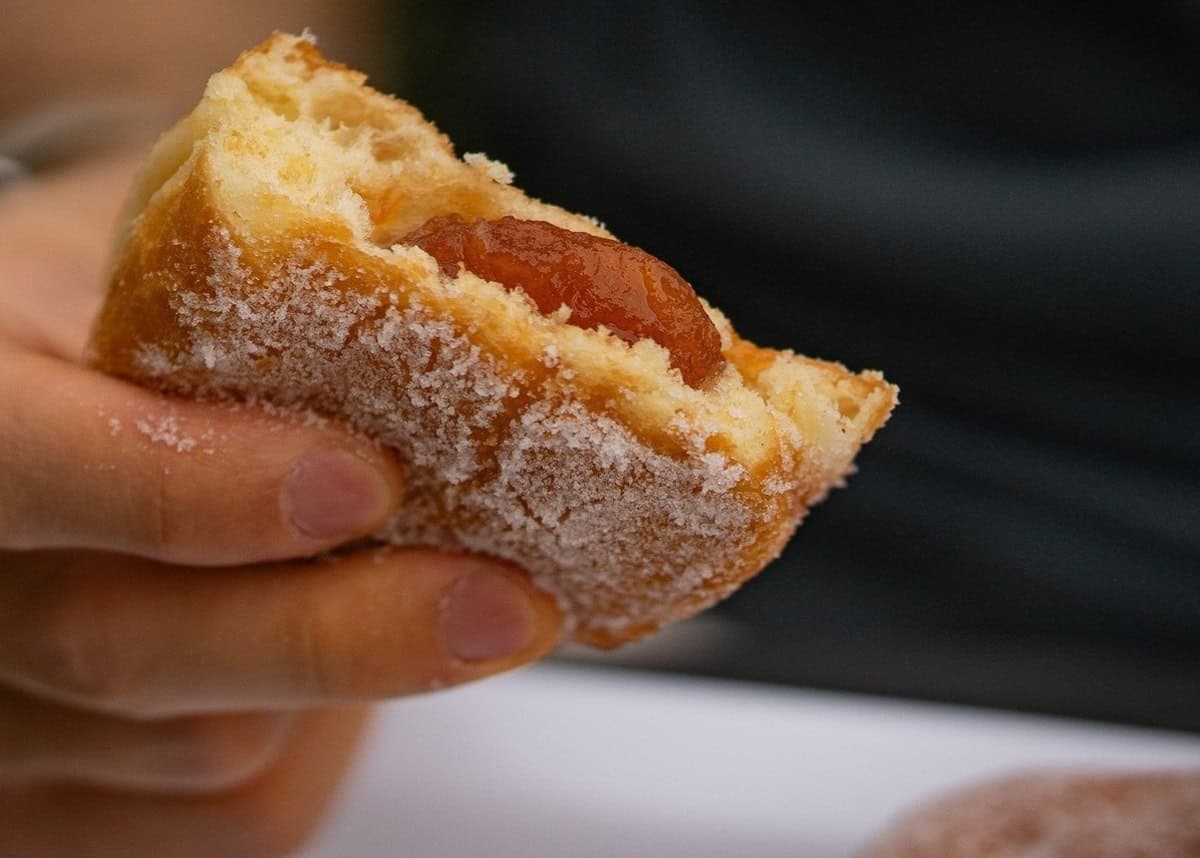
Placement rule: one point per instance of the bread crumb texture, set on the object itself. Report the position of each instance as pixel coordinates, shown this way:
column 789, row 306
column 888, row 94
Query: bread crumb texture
column 248, row 267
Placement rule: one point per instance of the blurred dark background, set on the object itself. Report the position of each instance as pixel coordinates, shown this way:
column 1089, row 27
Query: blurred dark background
column 998, row 205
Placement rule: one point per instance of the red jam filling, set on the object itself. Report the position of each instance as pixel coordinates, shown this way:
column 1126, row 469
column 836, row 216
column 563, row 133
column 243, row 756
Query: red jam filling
column 603, row 282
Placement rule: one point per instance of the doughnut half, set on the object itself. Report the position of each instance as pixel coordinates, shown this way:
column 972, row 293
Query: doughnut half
column 1055, row 815
column 247, row 267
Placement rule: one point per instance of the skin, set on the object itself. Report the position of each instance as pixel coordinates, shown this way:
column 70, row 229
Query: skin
column 177, row 676
column 131, row 51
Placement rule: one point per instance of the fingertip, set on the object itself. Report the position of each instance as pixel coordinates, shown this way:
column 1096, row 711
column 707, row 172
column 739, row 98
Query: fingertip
column 333, row 494
column 493, row 619
column 492, row 614
column 551, row 623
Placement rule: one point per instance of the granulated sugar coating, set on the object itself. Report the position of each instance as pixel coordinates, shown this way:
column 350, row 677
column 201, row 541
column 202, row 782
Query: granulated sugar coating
column 165, row 430
column 568, row 494
column 1058, row 815
column 249, row 269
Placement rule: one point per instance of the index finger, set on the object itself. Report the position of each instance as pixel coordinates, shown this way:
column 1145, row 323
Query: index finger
column 93, row 462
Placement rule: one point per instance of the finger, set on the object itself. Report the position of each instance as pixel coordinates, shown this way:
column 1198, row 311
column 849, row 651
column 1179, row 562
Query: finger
column 271, row 816
column 138, row 638
column 89, row 461
column 57, row 231
column 45, row 742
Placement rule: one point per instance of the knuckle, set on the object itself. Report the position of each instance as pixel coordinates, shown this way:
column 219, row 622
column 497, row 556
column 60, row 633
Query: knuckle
column 162, row 516
column 317, row 668
column 352, row 638
column 224, row 752
column 76, row 649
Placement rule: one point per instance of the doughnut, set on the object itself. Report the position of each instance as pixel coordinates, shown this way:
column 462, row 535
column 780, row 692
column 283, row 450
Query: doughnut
column 1055, row 815
column 557, row 398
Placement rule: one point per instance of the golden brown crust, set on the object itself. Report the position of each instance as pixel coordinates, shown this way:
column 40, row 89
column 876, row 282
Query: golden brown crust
column 1062, row 815
column 248, row 269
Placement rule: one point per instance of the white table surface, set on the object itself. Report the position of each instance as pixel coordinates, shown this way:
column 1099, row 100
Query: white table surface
column 583, row 762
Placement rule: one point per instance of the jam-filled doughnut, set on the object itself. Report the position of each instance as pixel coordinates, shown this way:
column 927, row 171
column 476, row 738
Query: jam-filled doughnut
column 557, row 398
column 1055, row 815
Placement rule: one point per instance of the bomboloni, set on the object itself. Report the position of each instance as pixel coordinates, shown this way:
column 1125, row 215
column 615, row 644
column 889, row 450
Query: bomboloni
column 250, row 266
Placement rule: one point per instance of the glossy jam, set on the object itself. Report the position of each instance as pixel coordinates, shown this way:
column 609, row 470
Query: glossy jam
column 603, row 282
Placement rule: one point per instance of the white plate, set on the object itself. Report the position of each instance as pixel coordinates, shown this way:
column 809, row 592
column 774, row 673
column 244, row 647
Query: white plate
column 584, row 762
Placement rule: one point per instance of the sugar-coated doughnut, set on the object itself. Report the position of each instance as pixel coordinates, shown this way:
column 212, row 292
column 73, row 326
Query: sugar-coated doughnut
column 264, row 257
column 1058, row 815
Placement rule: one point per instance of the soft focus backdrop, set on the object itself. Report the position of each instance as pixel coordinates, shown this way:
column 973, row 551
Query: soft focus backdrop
column 998, row 206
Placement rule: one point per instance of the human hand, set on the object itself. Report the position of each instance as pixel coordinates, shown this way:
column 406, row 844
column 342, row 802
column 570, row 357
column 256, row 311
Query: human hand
column 173, row 681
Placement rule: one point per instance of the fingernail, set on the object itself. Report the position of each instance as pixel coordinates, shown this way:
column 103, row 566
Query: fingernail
column 487, row 616
column 332, row 493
